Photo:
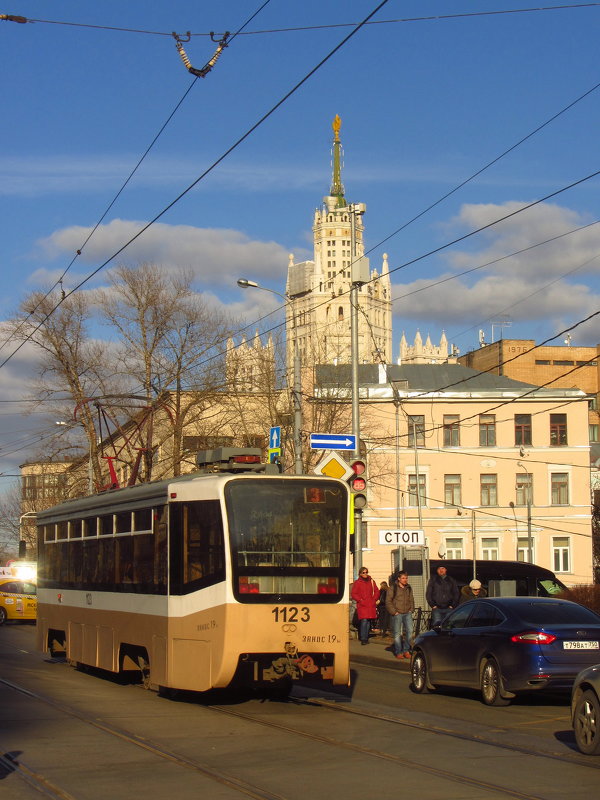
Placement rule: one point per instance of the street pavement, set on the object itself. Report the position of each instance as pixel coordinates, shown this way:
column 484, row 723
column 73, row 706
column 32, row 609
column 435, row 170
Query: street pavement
column 378, row 652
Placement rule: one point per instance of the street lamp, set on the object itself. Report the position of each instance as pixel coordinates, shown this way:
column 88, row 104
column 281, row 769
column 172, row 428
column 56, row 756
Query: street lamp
column 528, row 489
column 22, row 542
column 359, row 275
column 244, row 283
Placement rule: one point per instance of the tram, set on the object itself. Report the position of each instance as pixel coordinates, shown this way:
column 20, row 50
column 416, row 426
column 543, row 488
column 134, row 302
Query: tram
column 227, row 576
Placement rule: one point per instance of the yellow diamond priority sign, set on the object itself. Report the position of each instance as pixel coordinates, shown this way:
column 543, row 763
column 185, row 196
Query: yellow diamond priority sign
column 334, row 466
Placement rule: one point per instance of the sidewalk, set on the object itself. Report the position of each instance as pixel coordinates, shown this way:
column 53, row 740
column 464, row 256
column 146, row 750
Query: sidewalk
column 378, row 652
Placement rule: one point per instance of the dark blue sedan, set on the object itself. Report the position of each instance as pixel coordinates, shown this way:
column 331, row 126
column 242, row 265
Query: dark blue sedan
column 504, row 646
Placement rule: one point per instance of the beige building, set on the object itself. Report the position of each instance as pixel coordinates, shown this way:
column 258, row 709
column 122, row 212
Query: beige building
column 477, row 462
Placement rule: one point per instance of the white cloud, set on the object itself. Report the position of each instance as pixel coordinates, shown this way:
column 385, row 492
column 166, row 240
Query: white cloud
column 579, row 250
column 216, row 256
column 552, row 286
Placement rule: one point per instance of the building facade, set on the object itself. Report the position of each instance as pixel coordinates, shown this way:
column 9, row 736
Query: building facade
column 484, row 465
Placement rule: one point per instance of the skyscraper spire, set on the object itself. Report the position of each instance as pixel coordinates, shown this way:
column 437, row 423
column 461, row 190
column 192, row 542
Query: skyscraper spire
column 337, row 187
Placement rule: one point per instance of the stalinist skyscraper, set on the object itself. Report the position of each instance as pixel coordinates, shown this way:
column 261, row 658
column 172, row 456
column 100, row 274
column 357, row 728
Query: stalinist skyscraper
column 318, row 318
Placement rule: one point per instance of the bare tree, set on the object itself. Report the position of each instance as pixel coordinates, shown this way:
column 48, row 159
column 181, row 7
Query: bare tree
column 72, row 365
column 171, row 346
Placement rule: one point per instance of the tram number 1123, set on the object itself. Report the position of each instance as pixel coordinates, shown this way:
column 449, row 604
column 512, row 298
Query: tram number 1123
column 291, row 614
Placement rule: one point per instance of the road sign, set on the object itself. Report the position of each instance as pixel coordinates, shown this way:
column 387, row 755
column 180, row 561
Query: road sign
column 402, row 537
column 275, row 437
column 332, row 441
column 334, row 466
column 274, row 455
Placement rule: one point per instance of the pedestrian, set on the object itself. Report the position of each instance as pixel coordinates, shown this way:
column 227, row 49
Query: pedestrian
column 472, row 591
column 365, row 593
column 383, row 617
column 442, row 594
column 400, row 604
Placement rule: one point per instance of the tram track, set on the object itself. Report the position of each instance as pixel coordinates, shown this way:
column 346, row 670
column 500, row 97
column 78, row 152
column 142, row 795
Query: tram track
column 247, row 789
column 455, row 777
column 39, row 782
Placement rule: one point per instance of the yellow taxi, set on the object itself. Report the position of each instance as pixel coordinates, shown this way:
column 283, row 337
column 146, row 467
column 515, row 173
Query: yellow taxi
column 18, row 600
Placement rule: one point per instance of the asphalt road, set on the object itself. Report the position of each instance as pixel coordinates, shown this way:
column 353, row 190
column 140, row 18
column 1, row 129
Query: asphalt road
column 74, row 735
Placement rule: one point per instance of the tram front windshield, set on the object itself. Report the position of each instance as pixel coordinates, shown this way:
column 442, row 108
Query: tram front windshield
column 288, row 537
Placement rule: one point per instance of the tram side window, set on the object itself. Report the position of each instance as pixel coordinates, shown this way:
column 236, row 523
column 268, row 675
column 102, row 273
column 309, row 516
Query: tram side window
column 197, row 545
column 161, row 528
column 124, row 559
column 105, row 525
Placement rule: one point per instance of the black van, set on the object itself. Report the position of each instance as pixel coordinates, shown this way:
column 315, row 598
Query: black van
column 503, row 578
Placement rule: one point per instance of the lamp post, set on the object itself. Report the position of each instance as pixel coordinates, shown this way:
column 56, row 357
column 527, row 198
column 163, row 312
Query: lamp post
column 26, row 515
column 358, row 276
column 244, row 283
column 529, row 488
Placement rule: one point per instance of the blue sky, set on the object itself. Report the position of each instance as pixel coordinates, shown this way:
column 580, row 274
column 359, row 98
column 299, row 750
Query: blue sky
column 426, row 101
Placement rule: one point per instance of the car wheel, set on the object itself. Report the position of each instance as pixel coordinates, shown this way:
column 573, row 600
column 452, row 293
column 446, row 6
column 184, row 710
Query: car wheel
column 418, row 672
column 491, row 685
column 586, row 723
column 3, row 615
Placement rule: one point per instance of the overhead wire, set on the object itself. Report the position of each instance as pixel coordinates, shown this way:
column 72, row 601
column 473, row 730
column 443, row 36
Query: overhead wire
column 161, row 130
column 209, row 169
column 430, row 18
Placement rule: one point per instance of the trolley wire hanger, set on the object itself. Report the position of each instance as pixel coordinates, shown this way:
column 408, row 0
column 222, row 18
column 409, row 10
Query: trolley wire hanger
column 200, row 73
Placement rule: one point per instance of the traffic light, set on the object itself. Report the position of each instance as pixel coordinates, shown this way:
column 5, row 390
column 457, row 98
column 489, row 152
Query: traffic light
column 358, row 483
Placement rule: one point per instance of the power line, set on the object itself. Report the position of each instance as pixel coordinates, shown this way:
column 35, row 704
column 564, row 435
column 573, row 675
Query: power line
column 431, row 18
column 207, row 171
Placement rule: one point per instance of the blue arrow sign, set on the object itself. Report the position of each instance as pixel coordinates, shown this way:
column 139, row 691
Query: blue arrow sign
column 275, row 437
column 332, row 441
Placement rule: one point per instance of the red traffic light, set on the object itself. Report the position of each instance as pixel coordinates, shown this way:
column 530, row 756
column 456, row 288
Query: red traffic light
column 358, row 467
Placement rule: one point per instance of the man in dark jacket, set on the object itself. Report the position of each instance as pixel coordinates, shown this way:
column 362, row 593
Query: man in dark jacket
column 442, row 594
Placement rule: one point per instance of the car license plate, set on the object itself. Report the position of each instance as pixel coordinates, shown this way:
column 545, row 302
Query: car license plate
column 580, row 645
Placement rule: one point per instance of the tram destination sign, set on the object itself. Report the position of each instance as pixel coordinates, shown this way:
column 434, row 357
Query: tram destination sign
column 402, row 537
column 332, row 441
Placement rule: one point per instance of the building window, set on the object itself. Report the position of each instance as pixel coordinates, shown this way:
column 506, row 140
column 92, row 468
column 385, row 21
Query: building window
column 489, row 549
column 593, row 433
column 559, row 487
column 523, row 551
column 522, row 429
column 560, row 554
column 487, row 430
column 451, row 430
column 416, row 430
column 454, row 548
column 489, row 490
column 558, row 430
column 452, row 493
column 412, row 490
column 524, row 488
